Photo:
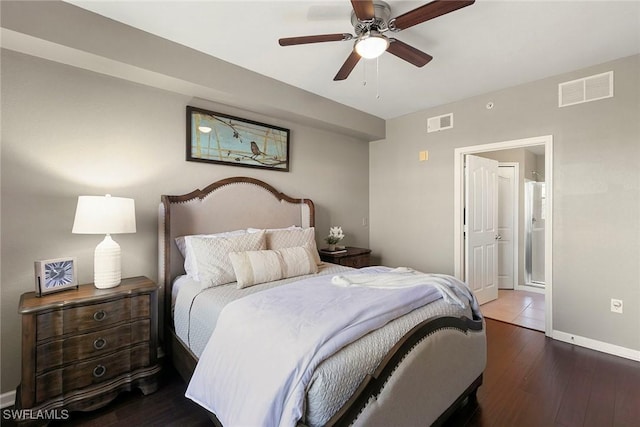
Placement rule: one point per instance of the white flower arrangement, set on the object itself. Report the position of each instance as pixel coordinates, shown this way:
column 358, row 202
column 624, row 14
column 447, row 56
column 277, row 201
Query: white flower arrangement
column 335, row 235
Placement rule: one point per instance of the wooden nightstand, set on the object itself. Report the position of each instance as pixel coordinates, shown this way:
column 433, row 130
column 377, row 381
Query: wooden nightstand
column 80, row 348
column 353, row 257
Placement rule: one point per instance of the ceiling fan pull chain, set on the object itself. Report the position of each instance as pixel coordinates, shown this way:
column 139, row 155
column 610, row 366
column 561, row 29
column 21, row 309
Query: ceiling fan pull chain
column 364, row 73
column 378, row 78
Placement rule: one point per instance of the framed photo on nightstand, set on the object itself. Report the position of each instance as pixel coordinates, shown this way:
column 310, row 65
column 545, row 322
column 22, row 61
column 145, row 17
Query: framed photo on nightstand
column 53, row 275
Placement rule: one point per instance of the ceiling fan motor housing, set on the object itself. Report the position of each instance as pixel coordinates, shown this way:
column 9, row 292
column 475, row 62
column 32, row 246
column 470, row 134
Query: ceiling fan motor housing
column 382, row 13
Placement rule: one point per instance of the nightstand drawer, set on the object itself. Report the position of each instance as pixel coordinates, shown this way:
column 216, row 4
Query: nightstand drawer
column 356, row 261
column 93, row 371
column 349, row 257
column 89, row 317
column 79, row 347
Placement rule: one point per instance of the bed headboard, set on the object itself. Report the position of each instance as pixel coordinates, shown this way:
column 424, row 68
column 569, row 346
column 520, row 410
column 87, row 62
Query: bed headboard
column 230, row 204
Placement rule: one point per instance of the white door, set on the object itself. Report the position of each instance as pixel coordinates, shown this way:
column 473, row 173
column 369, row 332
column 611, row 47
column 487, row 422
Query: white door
column 506, row 226
column 481, row 219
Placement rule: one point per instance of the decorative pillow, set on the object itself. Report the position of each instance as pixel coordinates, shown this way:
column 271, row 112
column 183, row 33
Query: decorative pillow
column 207, row 259
column 254, row 267
column 278, row 239
column 181, row 244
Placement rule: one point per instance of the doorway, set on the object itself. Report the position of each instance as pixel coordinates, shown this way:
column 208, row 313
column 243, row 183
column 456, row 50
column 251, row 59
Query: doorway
column 544, row 142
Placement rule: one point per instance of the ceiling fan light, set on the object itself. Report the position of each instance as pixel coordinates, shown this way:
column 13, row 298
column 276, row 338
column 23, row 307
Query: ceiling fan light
column 372, row 45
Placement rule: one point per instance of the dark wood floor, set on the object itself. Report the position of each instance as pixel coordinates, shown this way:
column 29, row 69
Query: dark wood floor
column 529, row 381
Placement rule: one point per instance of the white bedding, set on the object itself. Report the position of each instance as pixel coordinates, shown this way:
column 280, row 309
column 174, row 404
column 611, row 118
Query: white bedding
column 260, row 358
column 335, row 379
column 196, row 310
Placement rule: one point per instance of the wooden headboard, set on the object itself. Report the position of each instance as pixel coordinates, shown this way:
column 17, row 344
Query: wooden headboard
column 230, row 204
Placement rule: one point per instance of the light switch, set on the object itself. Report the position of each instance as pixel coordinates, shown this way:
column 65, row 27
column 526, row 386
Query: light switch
column 424, row 155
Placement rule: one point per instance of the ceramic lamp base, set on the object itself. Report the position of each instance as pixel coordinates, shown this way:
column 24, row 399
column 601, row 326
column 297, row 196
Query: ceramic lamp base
column 106, row 264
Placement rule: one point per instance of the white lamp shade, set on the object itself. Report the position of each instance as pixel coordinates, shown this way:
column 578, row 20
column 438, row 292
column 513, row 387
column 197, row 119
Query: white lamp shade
column 372, row 45
column 104, row 215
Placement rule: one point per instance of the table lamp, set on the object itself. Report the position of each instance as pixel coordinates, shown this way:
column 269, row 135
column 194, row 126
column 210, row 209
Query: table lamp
column 105, row 215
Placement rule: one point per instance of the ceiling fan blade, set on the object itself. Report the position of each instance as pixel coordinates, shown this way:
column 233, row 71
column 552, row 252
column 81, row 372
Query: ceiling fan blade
column 348, row 66
column 363, row 9
column 408, row 53
column 290, row 41
column 428, row 11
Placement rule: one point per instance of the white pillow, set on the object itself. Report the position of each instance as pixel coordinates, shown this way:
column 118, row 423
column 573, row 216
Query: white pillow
column 290, row 238
column 254, row 267
column 181, row 244
column 207, row 259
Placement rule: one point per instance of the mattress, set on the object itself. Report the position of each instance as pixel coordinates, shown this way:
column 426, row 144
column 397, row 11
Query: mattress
column 336, row 379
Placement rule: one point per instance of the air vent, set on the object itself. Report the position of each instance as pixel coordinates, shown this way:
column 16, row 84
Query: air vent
column 435, row 124
column 599, row 86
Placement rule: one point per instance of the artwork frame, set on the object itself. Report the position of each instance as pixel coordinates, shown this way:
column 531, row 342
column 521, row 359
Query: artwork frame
column 220, row 138
column 55, row 275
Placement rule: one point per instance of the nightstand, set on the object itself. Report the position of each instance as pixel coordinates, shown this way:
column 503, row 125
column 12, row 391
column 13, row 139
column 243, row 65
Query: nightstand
column 80, row 348
column 351, row 257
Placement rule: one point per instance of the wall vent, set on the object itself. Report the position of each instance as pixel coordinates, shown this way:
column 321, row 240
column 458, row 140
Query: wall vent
column 599, row 86
column 435, row 124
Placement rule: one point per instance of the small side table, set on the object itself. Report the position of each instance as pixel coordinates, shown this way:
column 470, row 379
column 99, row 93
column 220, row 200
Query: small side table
column 80, row 348
column 351, row 257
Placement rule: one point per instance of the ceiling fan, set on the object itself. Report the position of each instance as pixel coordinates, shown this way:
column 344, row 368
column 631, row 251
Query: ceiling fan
column 371, row 19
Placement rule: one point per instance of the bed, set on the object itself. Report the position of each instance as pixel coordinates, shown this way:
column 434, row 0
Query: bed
column 417, row 369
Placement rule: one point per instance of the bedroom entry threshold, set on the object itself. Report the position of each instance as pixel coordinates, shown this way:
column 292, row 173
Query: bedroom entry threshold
column 519, row 308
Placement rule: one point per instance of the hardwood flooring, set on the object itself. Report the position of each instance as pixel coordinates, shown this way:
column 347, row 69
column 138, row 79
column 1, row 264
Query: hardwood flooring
column 530, row 381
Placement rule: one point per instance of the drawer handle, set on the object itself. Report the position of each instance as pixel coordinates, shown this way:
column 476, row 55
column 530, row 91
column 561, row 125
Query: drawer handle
column 100, row 315
column 99, row 344
column 99, row 371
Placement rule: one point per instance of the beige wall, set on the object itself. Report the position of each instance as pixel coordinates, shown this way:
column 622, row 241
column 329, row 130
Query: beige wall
column 59, row 31
column 68, row 132
column 596, row 218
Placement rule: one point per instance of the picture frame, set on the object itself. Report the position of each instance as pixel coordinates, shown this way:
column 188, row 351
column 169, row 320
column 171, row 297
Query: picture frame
column 55, row 275
column 223, row 139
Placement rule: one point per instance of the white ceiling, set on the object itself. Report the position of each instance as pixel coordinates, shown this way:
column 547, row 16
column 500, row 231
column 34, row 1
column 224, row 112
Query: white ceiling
column 483, row 47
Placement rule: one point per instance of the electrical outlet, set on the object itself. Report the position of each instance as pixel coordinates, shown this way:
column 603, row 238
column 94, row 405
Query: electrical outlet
column 616, row 305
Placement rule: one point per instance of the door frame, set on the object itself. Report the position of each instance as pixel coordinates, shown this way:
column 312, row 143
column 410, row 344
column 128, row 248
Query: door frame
column 515, row 242
column 458, row 206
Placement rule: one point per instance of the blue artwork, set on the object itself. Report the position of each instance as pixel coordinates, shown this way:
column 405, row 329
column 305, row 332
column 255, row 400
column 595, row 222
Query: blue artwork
column 218, row 138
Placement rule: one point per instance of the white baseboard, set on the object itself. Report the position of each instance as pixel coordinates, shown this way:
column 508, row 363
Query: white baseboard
column 603, row 347
column 7, row 399
column 540, row 289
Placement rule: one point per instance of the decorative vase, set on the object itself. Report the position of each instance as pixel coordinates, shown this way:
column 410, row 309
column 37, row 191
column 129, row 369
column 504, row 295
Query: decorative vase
column 332, row 247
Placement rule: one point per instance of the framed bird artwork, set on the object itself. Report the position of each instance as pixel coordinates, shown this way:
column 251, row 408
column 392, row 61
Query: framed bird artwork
column 220, row 138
